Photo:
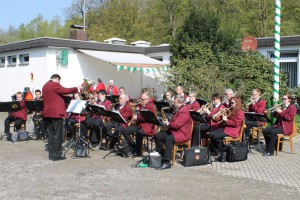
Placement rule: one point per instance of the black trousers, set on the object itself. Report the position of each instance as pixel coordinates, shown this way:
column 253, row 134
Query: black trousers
column 97, row 129
column 113, row 137
column 216, row 137
column 56, row 136
column 199, row 133
column 270, row 135
column 8, row 120
column 162, row 138
column 127, row 135
column 250, row 125
column 39, row 125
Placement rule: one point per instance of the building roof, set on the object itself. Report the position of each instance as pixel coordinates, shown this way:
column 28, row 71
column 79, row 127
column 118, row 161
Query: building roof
column 78, row 44
column 284, row 40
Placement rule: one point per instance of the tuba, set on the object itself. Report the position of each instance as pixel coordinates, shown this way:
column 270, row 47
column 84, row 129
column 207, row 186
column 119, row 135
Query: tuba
column 85, row 93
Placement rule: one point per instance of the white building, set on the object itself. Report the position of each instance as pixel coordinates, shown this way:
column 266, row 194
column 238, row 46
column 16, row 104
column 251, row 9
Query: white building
column 31, row 63
column 289, row 56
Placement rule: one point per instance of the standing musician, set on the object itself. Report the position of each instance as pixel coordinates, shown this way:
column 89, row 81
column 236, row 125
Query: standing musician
column 212, row 124
column 141, row 128
column 112, row 89
column 257, row 105
column 125, row 110
column 178, row 131
column 18, row 116
column 193, row 103
column 233, row 123
column 284, row 124
column 100, row 85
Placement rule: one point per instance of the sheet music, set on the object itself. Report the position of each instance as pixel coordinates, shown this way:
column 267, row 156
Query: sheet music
column 76, row 106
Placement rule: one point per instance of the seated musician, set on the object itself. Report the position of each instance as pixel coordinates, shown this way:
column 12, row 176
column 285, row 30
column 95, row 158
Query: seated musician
column 71, row 120
column 141, row 128
column 112, row 89
column 168, row 97
column 125, row 110
column 257, row 105
column 180, row 91
column 18, row 117
column 37, row 117
column 193, row 103
column 212, row 124
column 228, row 96
column 100, row 85
column 178, row 130
column 232, row 126
column 123, row 91
column 284, row 124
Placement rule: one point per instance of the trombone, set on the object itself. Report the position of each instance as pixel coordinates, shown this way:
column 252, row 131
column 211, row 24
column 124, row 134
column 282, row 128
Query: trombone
column 250, row 100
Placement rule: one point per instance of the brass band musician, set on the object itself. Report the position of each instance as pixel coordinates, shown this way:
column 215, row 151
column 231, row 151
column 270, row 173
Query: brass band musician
column 193, row 103
column 178, row 130
column 141, row 128
column 284, row 124
column 228, row 96
column 256, row 105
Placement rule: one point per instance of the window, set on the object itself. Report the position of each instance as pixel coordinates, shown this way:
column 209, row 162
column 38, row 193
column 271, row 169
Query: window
column 2, row 61
column 12, row 60
column 284, row 55
column 24, row 59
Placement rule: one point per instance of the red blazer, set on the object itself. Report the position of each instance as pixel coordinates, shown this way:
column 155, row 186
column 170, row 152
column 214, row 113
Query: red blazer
column 22, row 114
column 100, row 86
column 147, row 128
column 126, row 112
column 115, row 90
column 234, row 124
column 54, row 105
column 286, row 119
column 259, row 107
column 106, row 103
column 195, row 106
column 215, row 124
column 181, row 124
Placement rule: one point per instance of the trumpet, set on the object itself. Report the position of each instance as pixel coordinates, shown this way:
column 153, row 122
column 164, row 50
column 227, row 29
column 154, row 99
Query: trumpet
column 274, row 107
column 250, row 100
column 226, row 99
column 221, row 112
column 208, row 106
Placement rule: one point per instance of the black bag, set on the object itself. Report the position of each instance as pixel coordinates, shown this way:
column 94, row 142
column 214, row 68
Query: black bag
column 196, row 156
column 236, row 151
column 154, row 160
column 81, row 150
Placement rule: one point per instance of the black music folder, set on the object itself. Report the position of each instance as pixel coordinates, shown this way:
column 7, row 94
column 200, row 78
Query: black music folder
column 36, row 105
column 116, row 117
column 160, row 104
column 99, row 110
column 113, row 98
column 201, row 101
column 11, row 106
column 255, row 117
column 149, row 117
column 197, row 117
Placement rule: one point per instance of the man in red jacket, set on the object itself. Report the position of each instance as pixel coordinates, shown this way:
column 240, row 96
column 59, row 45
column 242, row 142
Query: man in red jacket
column 18, row 116
column 112, row 89
column 54, row 112
column 141, row 128
column 284, row 123
column 100, row 85
column 179, row 130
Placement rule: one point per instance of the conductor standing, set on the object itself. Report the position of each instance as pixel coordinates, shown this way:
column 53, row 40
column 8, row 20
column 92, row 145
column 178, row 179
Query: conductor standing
column 54, row 112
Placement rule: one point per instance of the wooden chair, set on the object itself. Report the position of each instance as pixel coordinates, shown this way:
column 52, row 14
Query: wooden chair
column 256, row 130
column 287, row 138
column 180, row 147
column 239, row 138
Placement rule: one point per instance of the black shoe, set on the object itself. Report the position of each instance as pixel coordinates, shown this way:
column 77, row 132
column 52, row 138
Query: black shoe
column 59, row 158
column 268, row 154
column 166, row 165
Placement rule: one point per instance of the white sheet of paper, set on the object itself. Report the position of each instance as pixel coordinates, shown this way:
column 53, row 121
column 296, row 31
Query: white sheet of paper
column 76, row 106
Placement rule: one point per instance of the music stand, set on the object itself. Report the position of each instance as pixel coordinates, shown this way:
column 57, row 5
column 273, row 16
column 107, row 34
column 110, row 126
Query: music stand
column 201, row 101
column 36, row 106
column 198, row 118
column 113, row 98
column 160, row 104
column 118, row 118
column 11, row 106
column 255, row 117
column 150, row 118
column 76, row 107
column 99, row 110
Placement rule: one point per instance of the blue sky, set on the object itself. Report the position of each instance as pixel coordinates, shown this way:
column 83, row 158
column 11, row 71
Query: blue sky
column 16, row 12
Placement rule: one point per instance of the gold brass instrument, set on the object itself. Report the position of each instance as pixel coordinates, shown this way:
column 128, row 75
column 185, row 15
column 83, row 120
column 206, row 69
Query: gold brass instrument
column 275, row 107
column 87, row 84
column 135, row 111
column 250, row 100
column 163, row 113
column 226, row 99
column 208, row 106
column 221, row 112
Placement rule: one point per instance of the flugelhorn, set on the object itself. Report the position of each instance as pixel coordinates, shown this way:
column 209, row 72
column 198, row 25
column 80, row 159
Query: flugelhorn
column 222, row 112
column 208, row 106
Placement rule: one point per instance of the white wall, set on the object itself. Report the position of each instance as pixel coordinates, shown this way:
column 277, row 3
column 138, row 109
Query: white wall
column 14, row 78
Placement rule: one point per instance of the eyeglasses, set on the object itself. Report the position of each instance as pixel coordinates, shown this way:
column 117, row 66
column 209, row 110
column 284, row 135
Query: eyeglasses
column 254, row 94
column 284, row 98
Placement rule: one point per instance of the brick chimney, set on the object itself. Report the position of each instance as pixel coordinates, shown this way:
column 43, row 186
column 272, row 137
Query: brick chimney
column 78, row 32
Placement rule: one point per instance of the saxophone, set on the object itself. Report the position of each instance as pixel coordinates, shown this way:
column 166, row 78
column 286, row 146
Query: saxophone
column 163, row 113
